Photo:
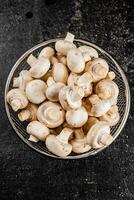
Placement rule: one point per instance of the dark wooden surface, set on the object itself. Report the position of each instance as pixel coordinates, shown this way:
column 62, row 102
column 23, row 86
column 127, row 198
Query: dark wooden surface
column 25, row 174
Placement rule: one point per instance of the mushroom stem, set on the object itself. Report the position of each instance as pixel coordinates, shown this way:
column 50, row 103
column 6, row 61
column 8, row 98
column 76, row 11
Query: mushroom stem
column 31, row 60
column 24, row 115
column 50, row 81
column 69, row 37
column 33, row 139
column 106, row 139
column 16, row 82
column 65, row 135
column 79, row 134
column 15, row 104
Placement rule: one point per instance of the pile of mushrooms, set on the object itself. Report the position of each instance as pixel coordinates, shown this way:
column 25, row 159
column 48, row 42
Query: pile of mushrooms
column 68, row 97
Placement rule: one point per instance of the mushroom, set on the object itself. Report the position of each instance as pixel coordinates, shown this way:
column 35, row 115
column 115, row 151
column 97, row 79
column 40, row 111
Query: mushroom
column 22, row 80
column 62, row 46
column 82, row 81
column 46, row 52
column 88, row 52
column 59, row 144
column 39, row 66
column 35, row 91
column 53, row 89
column 51, row 114
column 75, row 60
column 99, row 106
column 99, row 135
column 17, row 99
column 107, row 90
column 79, row 144
column 29, row 113
column 111, row 117
column 98, row 68
column 37, row 131
column 90, row 122
column 77, row 118
column 70, row 97
column 60, row 72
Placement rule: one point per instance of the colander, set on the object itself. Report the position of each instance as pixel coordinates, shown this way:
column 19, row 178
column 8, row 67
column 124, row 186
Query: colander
column 123, row 98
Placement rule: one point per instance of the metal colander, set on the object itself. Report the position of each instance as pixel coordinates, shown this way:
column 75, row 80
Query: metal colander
column 123, row 98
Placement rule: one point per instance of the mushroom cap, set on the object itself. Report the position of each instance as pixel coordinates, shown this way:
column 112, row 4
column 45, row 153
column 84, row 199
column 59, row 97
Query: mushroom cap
column 63, row 46
column 22, row 80
column 51, row 114
column 38, row 130
column 107, row 89
column 80, row 146
column 60, row 72
column 47, row 52
column 56, row 147
column 111, row 117
column 35, row 91
column 75, row 60
column 99, row 135
column 88, row 52
column 17, row 99
column 29, row 113
column 39, row 66
column 77, row 118
column 99, row 106
column 98, row 68
column 53, row 90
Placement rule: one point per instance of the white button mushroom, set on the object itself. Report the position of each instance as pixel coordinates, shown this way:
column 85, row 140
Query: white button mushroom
column 17, row 99
column 99, row 106
column 39, row 66
column 59, row 144
column 98, row 68
column 38, row 131
column 70, row 97
column 35, row 91
column 46, row 52
column 60, row 72
column 22, row 80
column 83, row 81
column 53, row 89
column 88, row 52
column 75, row 60
column 29, row 113
column 99, row 135
column 63, row 46
column 77, row 118
column 107, row 89
column 111, row 117
column 79, row 144
column 51, row 114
